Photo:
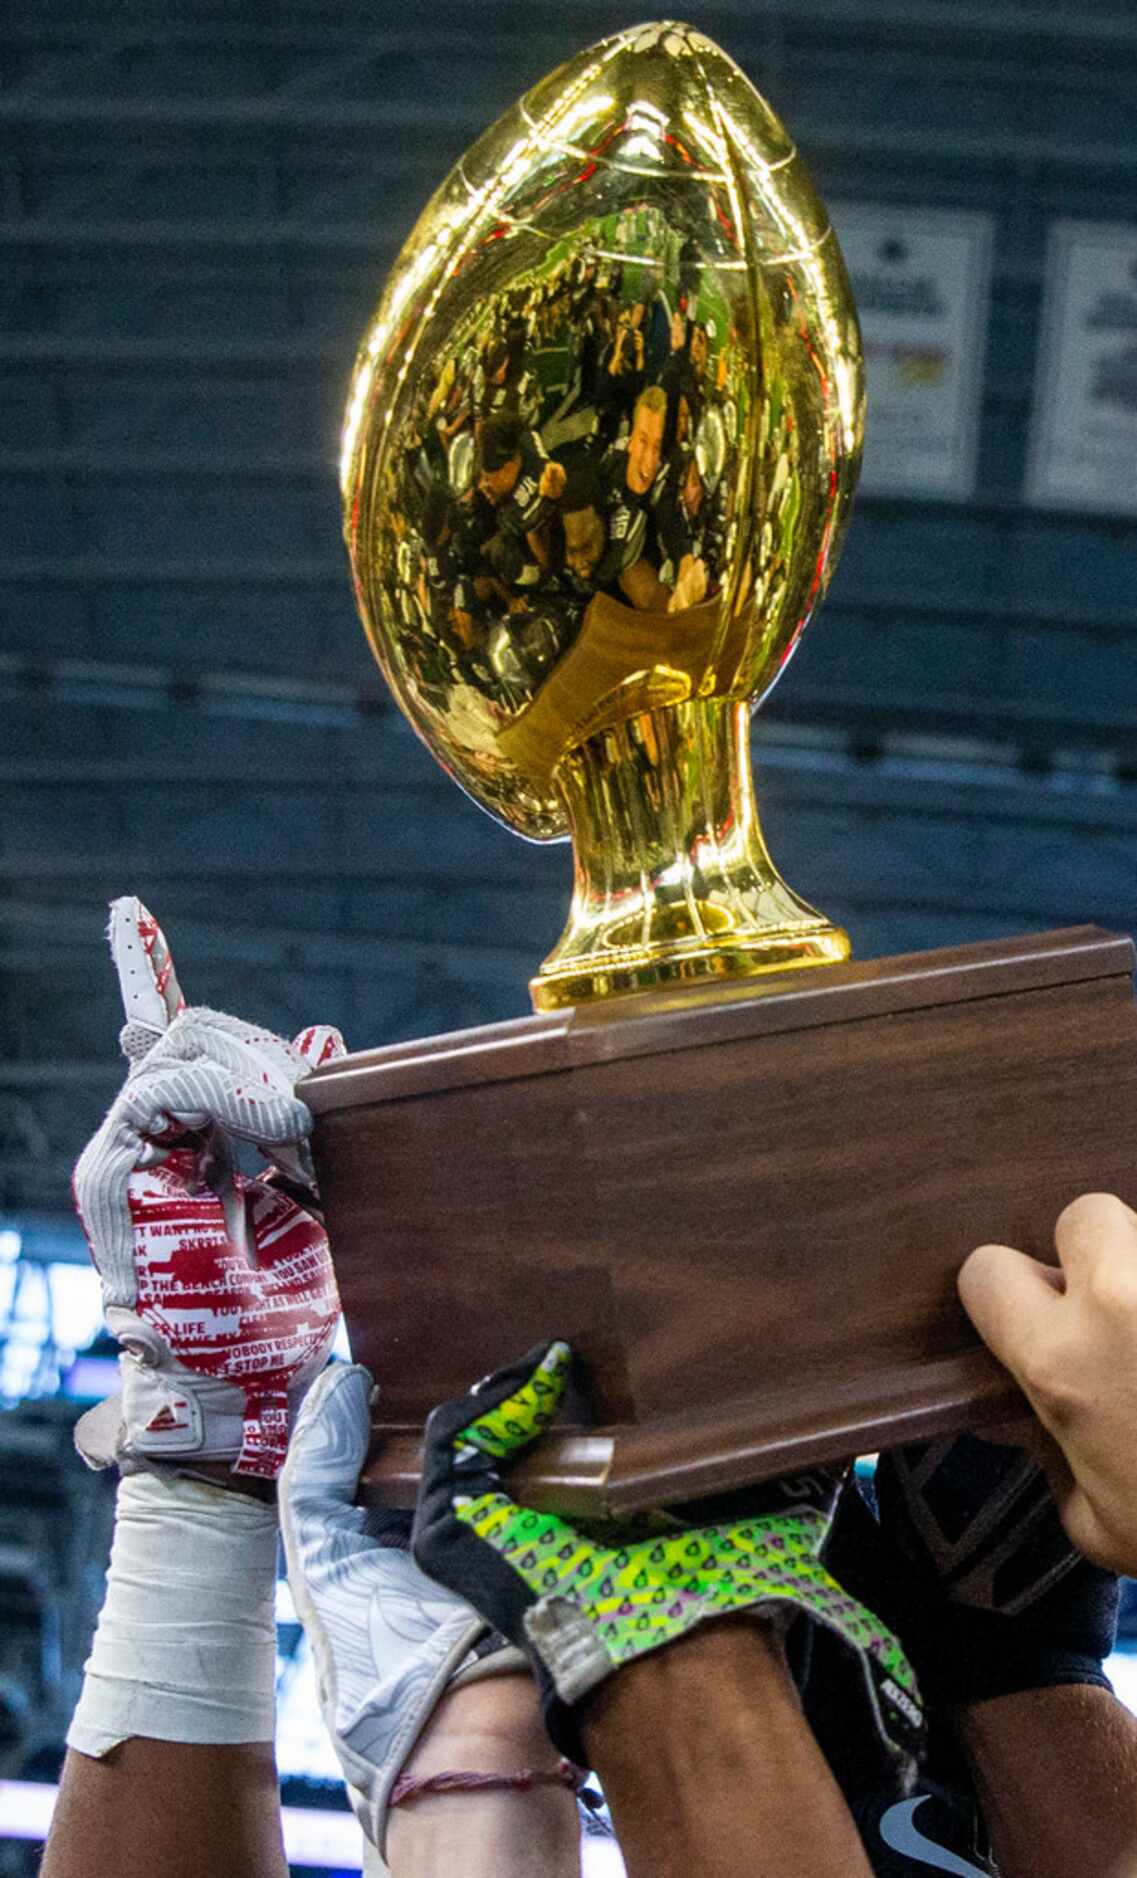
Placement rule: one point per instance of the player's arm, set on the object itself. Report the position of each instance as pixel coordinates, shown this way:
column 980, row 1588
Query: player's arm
column 537, row 542
column 1056, row 1771
column 1009, row 1628
column 733, row 1781
column 202, row 1812
column 538, row 513
column 170, row 1763
column 174, row 1769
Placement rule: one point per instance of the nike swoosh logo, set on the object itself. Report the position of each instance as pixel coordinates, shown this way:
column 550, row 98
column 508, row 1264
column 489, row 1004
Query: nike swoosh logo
column 900, row 1832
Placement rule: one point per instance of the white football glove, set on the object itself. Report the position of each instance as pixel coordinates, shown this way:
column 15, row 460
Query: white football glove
column 219, row 1288
column 387, row 1641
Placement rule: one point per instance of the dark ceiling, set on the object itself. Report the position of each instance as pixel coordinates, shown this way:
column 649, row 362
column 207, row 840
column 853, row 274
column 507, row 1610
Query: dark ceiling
column 199, row 204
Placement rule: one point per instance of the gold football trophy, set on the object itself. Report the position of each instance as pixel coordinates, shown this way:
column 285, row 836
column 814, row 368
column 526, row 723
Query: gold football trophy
column 598, row 459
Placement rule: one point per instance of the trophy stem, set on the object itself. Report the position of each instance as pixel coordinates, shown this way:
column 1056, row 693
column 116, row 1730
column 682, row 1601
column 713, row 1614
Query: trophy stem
column 672, row 879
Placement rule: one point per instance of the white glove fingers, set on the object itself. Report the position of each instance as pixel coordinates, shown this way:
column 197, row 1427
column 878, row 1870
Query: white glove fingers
column 100, row 1183
column 247, row 1048
column 320, row 1043
column 193, row 1093
column 323, row 1529
column 329, row 1444
column 151, row 995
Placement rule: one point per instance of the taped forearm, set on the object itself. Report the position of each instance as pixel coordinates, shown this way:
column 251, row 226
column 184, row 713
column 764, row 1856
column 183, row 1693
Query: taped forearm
column 185, row 1648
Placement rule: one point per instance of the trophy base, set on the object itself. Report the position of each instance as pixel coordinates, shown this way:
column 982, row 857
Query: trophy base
column 615, row 1473
column 745, row 1208
column 653, row 969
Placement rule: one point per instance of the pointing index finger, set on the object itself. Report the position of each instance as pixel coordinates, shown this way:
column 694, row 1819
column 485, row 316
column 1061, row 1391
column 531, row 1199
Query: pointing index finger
column 151, row 995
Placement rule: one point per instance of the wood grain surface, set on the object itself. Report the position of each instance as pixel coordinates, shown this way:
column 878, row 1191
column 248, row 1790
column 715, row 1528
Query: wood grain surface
column 746, row 1215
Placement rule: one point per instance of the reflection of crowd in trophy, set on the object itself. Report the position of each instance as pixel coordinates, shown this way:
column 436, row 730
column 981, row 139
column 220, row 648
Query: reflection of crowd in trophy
column 576, row 438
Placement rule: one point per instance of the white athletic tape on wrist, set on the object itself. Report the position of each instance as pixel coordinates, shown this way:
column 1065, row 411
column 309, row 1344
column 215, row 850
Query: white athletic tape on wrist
column 185, row 1648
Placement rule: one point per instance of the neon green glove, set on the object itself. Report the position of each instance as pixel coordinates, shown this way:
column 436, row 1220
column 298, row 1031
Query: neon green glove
column 584, row 1599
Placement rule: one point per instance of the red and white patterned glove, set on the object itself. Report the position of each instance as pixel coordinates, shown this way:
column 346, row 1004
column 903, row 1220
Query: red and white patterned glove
column 219, row 1288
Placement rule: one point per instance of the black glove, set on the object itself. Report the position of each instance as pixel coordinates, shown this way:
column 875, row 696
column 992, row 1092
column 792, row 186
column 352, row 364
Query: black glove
column 990, row 1597
column 905, row 1828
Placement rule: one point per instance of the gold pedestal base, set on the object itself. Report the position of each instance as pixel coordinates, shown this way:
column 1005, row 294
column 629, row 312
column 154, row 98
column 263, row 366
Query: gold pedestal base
column 673, row 882
column 650, row 971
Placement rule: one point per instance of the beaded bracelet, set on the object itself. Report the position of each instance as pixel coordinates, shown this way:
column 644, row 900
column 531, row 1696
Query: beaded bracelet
column 413, row 1786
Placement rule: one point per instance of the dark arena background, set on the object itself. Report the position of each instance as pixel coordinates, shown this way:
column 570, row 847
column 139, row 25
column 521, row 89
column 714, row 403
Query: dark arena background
column 198, row 205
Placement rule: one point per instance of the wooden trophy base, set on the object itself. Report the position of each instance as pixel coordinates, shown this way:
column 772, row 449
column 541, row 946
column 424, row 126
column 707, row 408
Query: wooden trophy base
column 745, row 1208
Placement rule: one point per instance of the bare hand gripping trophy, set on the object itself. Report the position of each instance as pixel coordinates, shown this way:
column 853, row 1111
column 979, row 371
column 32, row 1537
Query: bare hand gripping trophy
column 600, row 449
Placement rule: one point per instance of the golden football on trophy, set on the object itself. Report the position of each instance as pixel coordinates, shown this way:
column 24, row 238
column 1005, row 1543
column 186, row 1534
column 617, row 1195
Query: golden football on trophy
column 598, row 459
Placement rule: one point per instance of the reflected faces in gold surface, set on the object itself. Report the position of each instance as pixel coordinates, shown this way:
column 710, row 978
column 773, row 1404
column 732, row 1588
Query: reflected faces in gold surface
column 598, row 457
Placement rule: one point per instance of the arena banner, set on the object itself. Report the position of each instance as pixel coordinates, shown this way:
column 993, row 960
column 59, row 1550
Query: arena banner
column 921, row 280
column 1083, row 451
